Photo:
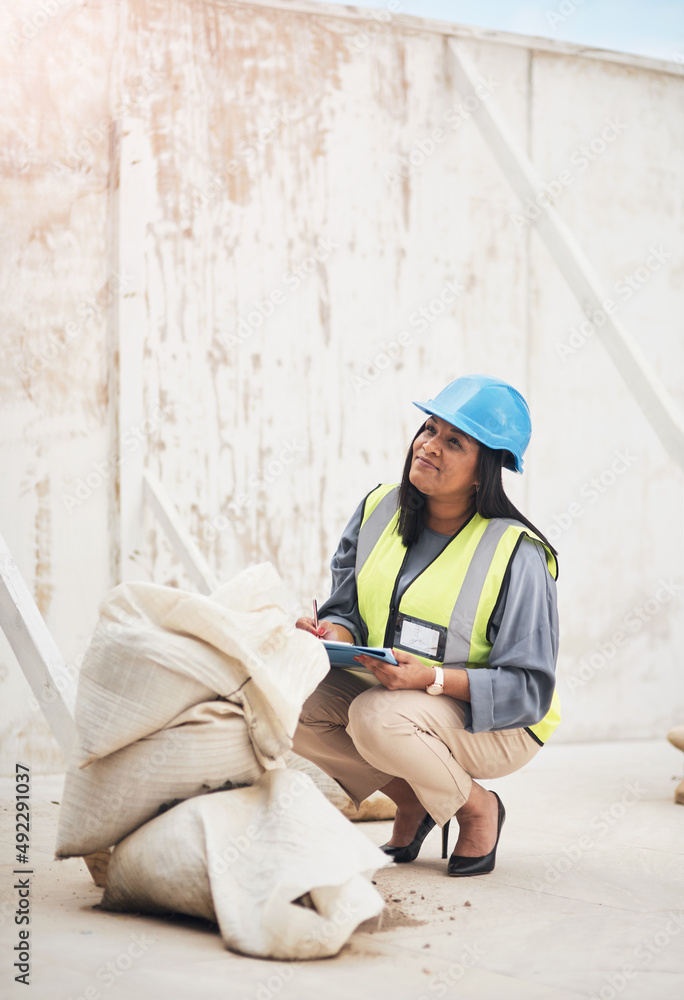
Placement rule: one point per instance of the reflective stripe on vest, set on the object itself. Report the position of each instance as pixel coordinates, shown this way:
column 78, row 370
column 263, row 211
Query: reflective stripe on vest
column 459, row 589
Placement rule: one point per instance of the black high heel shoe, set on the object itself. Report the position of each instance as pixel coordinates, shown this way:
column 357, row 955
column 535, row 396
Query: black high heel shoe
column 459, row 866
column 410, row 852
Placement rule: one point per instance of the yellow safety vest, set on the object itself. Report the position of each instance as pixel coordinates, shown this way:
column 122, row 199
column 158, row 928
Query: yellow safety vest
column 456, row 593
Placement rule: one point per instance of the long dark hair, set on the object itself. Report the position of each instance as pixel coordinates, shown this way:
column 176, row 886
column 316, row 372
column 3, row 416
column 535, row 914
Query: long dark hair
column 490, row 499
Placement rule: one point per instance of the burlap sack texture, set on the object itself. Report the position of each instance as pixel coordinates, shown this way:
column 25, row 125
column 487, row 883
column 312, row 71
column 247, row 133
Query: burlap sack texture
column 275, row 865
column 148, row 735
column 203, row 748
column 182, row 695
column 157, row 651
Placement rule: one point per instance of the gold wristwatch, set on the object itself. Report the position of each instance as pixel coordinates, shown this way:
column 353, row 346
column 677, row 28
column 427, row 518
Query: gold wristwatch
column 437, row 686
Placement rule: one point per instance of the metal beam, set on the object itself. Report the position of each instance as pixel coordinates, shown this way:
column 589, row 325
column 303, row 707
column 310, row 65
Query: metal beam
column 624, row 352
column 197, row 567
column 43, row 667
column 41, row 662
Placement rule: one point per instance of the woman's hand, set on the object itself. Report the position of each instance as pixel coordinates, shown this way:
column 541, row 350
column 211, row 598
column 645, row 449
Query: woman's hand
column 326, row 630
column 409, row 673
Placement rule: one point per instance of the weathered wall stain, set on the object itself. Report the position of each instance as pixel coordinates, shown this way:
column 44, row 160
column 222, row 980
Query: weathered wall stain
column 43, row 567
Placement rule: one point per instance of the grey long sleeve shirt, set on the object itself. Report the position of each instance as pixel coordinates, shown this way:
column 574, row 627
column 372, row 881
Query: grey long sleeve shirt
column 516, row 687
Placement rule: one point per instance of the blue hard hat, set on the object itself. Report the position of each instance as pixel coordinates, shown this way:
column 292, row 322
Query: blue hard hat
column 491, row 411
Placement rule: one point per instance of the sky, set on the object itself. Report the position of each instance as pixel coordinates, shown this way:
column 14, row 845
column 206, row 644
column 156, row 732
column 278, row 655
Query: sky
column 647, row 27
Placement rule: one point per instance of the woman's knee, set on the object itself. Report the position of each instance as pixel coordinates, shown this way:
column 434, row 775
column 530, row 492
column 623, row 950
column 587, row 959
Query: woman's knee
column 370, row 714
column 329, row 702
column 321, row 709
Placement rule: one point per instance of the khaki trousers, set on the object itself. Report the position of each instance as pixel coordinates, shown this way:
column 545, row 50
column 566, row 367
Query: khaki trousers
column 364, row 736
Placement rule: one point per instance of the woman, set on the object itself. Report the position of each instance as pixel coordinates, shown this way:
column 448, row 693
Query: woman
column 445, row 570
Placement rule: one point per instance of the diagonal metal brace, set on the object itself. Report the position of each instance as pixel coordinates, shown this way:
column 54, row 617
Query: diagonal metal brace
column 36, row 651
column 630, row 361
column 196, row 566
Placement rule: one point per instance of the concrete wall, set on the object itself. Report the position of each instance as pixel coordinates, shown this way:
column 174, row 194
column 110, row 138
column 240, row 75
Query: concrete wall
column 321, row 237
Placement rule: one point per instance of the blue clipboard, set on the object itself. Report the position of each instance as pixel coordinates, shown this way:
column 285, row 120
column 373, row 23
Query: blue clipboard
column 342, row 654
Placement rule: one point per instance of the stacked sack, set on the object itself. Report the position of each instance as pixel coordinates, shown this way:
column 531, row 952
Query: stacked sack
column 277, row 866
column 180, row 695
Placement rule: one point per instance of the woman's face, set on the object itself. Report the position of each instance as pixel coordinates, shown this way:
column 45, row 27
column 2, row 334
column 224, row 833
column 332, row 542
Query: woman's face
column 444, row 462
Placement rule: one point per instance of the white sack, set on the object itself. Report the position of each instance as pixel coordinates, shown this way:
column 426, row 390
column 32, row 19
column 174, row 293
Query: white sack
column 376, row 807
column 242, row 858
column 158, row 651
column 202, row 749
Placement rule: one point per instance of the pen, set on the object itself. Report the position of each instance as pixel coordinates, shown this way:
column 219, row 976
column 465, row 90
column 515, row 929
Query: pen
column 315, row 610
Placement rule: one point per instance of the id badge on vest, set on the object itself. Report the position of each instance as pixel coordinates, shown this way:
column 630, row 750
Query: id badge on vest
column 416, row 635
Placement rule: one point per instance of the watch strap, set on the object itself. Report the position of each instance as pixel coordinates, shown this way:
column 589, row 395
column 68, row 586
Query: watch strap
column 437, row 686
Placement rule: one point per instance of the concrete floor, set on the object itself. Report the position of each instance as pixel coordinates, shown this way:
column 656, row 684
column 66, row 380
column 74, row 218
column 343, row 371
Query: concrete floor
column 587, row 900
